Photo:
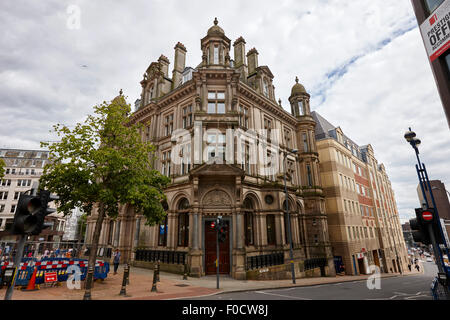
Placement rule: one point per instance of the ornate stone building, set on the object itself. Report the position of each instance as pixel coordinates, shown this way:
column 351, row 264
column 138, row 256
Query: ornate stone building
column 226, row 143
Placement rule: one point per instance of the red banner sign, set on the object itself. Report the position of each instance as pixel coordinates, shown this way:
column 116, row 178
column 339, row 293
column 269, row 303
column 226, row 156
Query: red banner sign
column 51, row 277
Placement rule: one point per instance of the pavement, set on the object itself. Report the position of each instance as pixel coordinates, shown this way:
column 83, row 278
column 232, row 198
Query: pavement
column 171, row 286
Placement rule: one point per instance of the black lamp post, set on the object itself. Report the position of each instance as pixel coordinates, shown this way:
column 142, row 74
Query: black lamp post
column 424, row 183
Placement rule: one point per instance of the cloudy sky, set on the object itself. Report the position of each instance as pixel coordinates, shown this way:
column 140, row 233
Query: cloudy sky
column 363, row 62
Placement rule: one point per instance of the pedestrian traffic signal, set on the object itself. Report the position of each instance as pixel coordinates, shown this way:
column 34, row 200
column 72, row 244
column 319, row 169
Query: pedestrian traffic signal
column 30, row 213
column 222, row 229
column 429, row 216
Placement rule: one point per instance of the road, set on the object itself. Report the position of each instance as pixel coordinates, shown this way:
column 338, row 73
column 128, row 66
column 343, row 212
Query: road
column 411, row 287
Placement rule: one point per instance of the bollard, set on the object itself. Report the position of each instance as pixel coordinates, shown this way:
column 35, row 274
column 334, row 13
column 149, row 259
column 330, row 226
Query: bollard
column 154, row 279
column 157, row 271
column 123, row 291
column 185, row 276
column 128, row 274
column 87, row 293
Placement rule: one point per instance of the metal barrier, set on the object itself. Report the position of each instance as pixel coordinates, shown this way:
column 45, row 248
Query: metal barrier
column 315, row 263
column 58, row 265
column 170, row 257
column 267, row 260
column 438, row 290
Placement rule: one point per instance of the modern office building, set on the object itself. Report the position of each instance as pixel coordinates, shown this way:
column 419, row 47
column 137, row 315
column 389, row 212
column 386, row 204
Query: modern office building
column 432, row 17
column 440, row 196
column 226, row 143
column 363, row 222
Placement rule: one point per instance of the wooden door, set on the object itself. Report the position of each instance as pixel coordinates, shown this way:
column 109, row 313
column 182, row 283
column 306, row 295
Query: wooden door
column 211, row 250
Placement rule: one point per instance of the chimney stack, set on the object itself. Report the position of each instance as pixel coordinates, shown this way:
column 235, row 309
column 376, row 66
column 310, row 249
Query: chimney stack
column 252, row 58
column 179, row 64
column 240, row 63
column 164, row 62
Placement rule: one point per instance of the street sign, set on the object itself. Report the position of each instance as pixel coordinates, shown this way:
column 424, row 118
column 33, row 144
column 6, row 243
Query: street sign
column 51, row 277
column 427, row 216
column 435, row 31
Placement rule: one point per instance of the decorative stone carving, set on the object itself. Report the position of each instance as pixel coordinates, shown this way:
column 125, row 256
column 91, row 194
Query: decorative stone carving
column 216, row 198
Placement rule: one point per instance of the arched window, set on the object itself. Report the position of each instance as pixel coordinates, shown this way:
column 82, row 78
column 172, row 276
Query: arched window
column 301, row 109
column 270, row 227
column 286, row 228
column 111, row 229
column 301, row 225
column 162, row 232
column 248, row 221
column 183, row 223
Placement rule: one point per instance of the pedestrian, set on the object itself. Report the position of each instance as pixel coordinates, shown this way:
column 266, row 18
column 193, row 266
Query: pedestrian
column 418, row 268
column 116, row 260
column 409, row 267
column 57, row 252
column 342, row 269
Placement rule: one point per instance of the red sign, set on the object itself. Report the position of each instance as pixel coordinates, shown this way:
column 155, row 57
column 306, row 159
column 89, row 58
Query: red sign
column 213, row 225
column 427, row 216
column 51, row 277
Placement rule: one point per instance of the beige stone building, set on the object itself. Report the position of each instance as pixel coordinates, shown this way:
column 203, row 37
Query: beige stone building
column 363, row 222
column 226, row 143
column 23, row 170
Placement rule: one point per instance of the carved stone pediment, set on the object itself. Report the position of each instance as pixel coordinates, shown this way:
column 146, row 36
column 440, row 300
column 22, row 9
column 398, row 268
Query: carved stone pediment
column 217, row 170
column 216, row 198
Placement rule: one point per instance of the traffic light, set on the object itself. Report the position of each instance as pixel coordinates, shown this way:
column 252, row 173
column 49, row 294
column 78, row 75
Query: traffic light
column 30, row 213
column 419, row 228
column 222, row 229
column 419, row 225
column 429, row 216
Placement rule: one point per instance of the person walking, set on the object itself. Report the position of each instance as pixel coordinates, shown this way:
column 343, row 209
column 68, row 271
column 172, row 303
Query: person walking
column 116, row 260
column 417, row 267
column 409, row 267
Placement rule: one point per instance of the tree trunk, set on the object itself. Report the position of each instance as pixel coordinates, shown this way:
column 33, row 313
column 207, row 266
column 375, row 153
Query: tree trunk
column 94, row 244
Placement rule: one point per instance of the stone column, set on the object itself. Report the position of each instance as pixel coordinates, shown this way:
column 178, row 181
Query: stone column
column 171, row 230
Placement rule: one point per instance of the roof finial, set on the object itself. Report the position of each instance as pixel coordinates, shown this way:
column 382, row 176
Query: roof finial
column 120, row 92
column 296, row 79
column 216, row 21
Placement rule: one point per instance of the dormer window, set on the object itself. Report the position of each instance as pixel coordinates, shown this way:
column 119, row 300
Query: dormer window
column 301, row 109
column 216, row 55
column 266, row 89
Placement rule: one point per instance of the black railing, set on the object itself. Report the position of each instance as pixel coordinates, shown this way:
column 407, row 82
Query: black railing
column 315, row 263
column 266, row 260
column 171, row 257
column 106, row 252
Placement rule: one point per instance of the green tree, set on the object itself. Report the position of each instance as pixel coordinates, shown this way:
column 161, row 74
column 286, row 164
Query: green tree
column 2, row 168
column 101, row 163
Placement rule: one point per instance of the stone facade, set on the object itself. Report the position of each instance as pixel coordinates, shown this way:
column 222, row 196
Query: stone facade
column 363, row 220
column 203, row 122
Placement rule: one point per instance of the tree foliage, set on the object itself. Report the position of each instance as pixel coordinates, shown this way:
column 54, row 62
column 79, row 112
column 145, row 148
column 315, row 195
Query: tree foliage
column 101, row 164
column 104, row 160
column 2, row 168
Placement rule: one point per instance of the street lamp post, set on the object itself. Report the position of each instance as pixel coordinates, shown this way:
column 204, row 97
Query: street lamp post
column 291, row 252
column 424, row 183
